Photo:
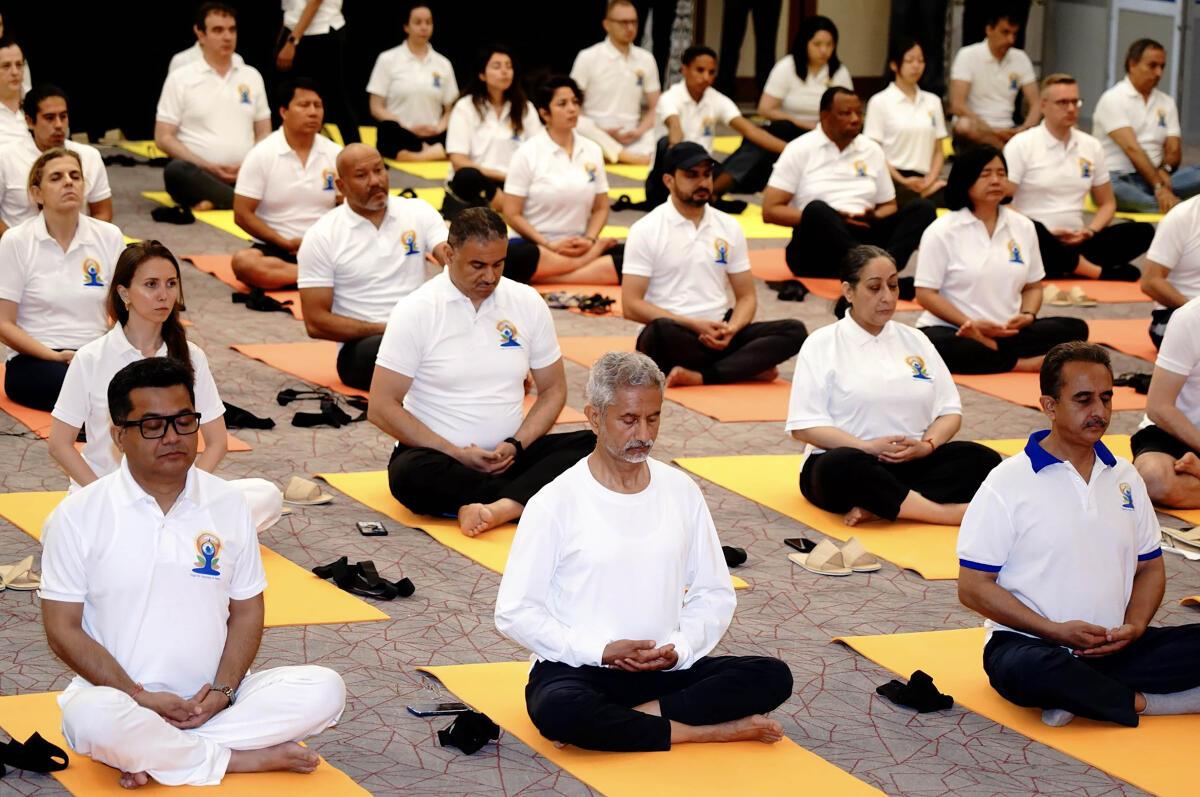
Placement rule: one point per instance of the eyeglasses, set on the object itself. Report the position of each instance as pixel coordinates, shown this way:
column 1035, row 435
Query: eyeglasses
column 1065, row 104
column 155, row 426
column 623, row 21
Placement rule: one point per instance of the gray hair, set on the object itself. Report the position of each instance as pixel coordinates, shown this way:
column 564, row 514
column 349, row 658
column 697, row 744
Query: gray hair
column 619, row 369
column 481, row 224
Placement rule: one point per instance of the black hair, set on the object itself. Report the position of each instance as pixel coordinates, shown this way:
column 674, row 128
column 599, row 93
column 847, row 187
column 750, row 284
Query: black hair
column 695, row 51
column 173, row 333
column 8, row 41
column 809, row 27
column 1002, row 10
column 213, row 8
column 1076, row 351
column 830, row 93
column 545, row 92
column 896, row 52
column 286, row 92
column 965, row 171
column 481, row 224
column 857, row 258
column 1136, row 50
column 150, row 372
column 34, row 97
column 515, row 95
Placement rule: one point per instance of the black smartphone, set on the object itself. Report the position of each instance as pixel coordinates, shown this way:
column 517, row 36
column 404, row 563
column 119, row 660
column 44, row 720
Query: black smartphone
column 371, row 528
column 436, row 709
column 800, row 544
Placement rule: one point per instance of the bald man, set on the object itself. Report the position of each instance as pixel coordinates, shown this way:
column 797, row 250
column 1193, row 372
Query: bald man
column 362, row 257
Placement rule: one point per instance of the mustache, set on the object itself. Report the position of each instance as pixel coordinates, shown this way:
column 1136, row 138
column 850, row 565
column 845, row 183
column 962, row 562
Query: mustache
column 632, row 444
column 1095, row 422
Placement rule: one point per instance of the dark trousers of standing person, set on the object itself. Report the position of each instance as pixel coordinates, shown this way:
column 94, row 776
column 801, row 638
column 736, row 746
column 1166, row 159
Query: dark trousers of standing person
column 754, row 349
column 593, row 707
column 841, row 479
column 967, row 356
column 356, row 361
column 189, row 185
column 1037, row 673
column 750, row 165
column 924, row 20
column 33, row 382
column 321, row 57
column 733, row 30
column 1112, row 248
column 393, row 137
column 823, row 237
column 432, row 483
column 664, row 20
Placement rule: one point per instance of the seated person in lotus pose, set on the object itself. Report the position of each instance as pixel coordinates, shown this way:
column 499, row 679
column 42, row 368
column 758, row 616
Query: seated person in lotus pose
column 877, row 407
column 979, row 277
column 411, row 90
column 556, row 199
column 285, row 184
column 680, row 259
column 360, row 258
column 1171, row 275
column 1052, row 167
column 145, row 294
column 833, row 187
column 1059, row 550
column 54, row 272
column 463, row 447
column 985, row 80
column 152, row 592
column 622, row 642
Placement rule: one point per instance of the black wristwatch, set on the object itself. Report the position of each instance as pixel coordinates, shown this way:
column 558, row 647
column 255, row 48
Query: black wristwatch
column 516, row 444
column 227, row 691
column 292, row 40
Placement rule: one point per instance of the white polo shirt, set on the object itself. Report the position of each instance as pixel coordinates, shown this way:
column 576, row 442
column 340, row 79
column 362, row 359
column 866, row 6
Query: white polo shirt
column 488, row 139
column 1065, row 548
column 292, row 195
column 614, row 84
column 981, row 276
column 436, row 336
column 12, row 126
column 853, row 180
column 328, row 17
column 559, row 187
column 1180, row 354
column 698, row 120
column 370, row 269
column 801, row 98
column 870, row 385
column 416, row 90
column 17, row 158
column 1176, row 246
column 215, row 115
column 1153, row 121
column 83, row 400
column 995, row 84
column 60, row 296
column 1053, row 177
column 192, row 55
column 688, row 266
column 155, row 588
column 907, row 129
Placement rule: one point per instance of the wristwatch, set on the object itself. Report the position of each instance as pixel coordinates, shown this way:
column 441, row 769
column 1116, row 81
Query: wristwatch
column 292, row 40
column 516, row 444
column 225, row 690
column 1168, row 168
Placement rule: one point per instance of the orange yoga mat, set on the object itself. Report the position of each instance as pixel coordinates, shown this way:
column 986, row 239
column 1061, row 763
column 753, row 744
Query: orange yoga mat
column 744, row 401
column 769, row 264
column 221, row 267
column 1103, row 291
column 586, row 289
column 1128, row 335
column 1023, row 389
column 316, row 361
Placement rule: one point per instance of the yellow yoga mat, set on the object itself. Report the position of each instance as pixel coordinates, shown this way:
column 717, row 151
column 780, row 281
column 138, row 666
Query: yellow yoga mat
column 426, row 170
column 294, row 596
column 221, row 219
column 489, row 549
column 631, row 171
column 634, row 194
column 727, row 144
column 1150, row 218
column 1148, row 756
column 22, row 715
column 146, row 149
column 367, row 134
column 498, row 690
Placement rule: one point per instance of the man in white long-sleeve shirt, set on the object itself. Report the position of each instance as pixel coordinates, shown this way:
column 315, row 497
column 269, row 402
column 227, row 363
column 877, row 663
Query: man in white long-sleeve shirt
column 621, row 616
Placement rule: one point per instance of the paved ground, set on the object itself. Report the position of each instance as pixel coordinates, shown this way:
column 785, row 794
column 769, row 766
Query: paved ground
column 788, row 613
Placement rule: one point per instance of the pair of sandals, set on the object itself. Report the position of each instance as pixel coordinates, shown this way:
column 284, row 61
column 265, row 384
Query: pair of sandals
column 20, row 576
column 362, row 578
column 595, row 304
column 1056, row 296
column 827, row 559
column 35, row 754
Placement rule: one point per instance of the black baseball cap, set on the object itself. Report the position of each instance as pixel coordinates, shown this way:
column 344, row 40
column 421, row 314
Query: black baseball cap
column 685, row 155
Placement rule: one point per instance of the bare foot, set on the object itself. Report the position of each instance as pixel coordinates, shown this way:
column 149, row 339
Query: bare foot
column 1188, row 464
column 769, row 375
column 133, row 780
column 755, row 728
column 286, row 757
column 629, row 157
column 474, row 519
column 203, row 205
column 859, row 515
column 684, row 377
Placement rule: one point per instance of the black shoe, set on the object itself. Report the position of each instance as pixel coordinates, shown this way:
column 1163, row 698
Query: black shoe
column 734, row 206
column 734, row 557
column 173, row 215
column 34, row 755
column 1123, row 273
column 793, row 291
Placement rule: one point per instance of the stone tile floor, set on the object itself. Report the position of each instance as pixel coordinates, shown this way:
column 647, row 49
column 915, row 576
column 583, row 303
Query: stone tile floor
column 789, row 613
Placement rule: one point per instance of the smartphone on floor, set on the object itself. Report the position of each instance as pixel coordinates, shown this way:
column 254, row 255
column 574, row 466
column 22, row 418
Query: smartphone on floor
column 800, row 544
column 371, row 528
column 436, row 709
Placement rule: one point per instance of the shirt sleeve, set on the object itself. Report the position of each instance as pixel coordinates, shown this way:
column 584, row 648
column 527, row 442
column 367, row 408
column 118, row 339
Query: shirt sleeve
column 170, row 103
column 1173, row 129
column 262, row 111
column 1167, row 247
column 639, row 254
column 580, row 71
column 946, row 400
column 1100, row 174
column 665, row 108
column 380, row 80
column 449, row 86
column 433, row 226
column 252, row 175
column 808, row 403
column 1014, row 156
column 885, row 188
column 543, row 341
column 728, row 110
column 874, row 128
column 779, row 78
column 962, row 68
column 785, row 174
column 740, row 253
column 932, row 259
column 1149, row 530
column 985, row 537
column 12, row 275
column 1025, row 67
column 520, row 173
column 459, row 126
column 403, row 346
column 650, row 83
column 64, row 574
column 314, row 262
column 1178, row 353
column 1109, row 115
column 208, row 399
column 74, row 397
column 601, row 172
column 939, row 118
column 98, row 188
column 842, row 78
column 1036, row 271
column 248, row 578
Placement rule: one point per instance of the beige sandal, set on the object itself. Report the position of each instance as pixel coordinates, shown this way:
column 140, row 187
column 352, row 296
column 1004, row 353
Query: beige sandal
column 1054, row 295
column 20, row 576
column 1080, row 299
column 302, row 492
column 824, row 560
column 857, row 558
column 1190, row 538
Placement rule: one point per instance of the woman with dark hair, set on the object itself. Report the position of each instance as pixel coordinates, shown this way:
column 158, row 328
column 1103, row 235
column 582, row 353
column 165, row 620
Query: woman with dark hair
column 487, row 124
column 878, row 409
column 910, row 126
column 145, row 295
column 556, row 198
column 979, row 275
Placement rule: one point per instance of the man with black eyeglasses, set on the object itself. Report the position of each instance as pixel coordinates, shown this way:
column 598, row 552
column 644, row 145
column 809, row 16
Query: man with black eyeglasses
column 152, row 592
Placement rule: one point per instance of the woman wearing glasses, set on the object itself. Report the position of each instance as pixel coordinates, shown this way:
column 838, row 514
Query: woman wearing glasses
column 144, row 297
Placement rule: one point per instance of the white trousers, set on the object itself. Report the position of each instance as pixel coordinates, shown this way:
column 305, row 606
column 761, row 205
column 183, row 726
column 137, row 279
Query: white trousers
column 284, row 704
column 588, row 128
column 264, row 498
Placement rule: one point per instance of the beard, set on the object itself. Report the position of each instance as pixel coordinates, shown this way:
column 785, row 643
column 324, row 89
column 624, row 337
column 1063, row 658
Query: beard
column 626, row 454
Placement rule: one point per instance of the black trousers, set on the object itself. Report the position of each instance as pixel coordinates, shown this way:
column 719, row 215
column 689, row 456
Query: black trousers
column 905, row 195
column 356, row 361
column 755, row 348
column 842, row 478
column 733, row 30
column 1114, row 246
column 966, row 356
column 432, row 483
column 1158, row 324
column 750, row 165
column 190, row 185
column 592, row 707
column 1154, row 439
column 1036, row 673
column 664, row 20
column 394, row 138
column 322, row 58
column 822, row 238
column 521, row 262
column 33, row 382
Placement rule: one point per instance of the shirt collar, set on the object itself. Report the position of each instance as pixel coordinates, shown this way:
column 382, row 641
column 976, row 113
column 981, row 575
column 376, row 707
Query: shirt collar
column 823, row 140
column 611, row 50
column 1040, row 458
column 965, row 217
column 677, row 219
column 1050, row 140
column 124, row 347
column 451, row 294
column 129, row 492
column 356, row 219
column 859, row 336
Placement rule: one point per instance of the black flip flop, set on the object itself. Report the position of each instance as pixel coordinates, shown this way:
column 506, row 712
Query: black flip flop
column 734, row 557
column 332, row 569
column 35, row 755
column 363, row 579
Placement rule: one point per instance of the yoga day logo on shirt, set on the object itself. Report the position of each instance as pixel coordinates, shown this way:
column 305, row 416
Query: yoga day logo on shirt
column 243, row 94
column 91, row 274
column 437, row 80
column 721, row 250
column 709, row 126
column 917, row 364
column 860, row 168
column 1014, row 252
column 932, row 119
column 1162, row 117
column 1013, row 77
column 590, row 168
column 208, row 547
column 1126, row 496
column 641, row 78
column 409, row 239
column 326, row 180
column 508, row 335
column 1085, row 167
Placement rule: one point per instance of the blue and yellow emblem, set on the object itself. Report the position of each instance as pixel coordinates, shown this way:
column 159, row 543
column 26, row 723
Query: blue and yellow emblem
column 1085, row 168
column 1126, row 496
column 409, row 239
column 860, row 168
column 710, row 127
column 917, row 364
column 437, row 80
column 721, row 251
column 243, row 94
column 590, row 168
column 91, row 274
column 641, row 78
column 326, row 180
column 508, row 335
column 1162, row 117
column 932, row 119
column 1013, row 83
column 1014, row 252
column 208, row 550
